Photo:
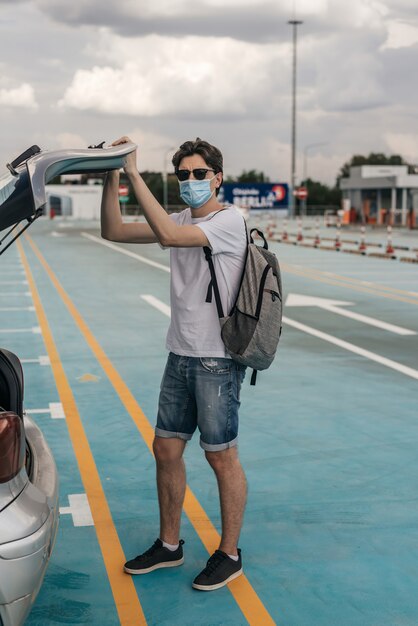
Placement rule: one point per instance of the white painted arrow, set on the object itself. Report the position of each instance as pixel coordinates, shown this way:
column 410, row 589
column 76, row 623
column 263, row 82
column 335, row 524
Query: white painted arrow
column 403, row 369
column 294, row 299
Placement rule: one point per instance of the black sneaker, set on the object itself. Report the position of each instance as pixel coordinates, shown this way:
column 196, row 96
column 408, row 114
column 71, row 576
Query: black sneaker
column 157, row 556
column 219, row 571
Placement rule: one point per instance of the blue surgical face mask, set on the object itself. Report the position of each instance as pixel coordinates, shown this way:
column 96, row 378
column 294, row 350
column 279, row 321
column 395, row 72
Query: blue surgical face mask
column 196, row 193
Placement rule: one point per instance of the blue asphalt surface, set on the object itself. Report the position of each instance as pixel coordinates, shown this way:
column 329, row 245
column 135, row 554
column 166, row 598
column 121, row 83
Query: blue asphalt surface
column 328, row 440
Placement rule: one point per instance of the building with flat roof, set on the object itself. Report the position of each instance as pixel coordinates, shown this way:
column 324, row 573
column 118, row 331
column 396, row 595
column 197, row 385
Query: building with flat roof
column 382, row 194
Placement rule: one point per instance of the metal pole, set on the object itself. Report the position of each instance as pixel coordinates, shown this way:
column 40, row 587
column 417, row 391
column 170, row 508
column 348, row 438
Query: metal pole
column 165, row 178
column 305, row 169
column 304, row 179
column 292, row 212
column 165, row 190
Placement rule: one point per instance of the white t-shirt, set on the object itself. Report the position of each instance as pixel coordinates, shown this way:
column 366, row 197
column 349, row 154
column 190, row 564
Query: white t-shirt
column 195, row 328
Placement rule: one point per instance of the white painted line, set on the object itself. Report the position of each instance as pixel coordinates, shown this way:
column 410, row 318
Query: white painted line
column 17, row 293
column 164, row 308
column 35, row 329
column 13, row 282
column 398, row 330
column 16, row 308
column 79, row 510
column 299, row 300
column 133, row 255
column 42, row 360
column 57, row 411
column 55, row 234
column 403, row 369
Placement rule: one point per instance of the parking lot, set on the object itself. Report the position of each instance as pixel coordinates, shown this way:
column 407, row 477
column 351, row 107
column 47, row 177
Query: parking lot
column 328, row 438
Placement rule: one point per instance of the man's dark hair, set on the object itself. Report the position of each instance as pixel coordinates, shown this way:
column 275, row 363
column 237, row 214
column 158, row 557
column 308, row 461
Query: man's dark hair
column 211, row 155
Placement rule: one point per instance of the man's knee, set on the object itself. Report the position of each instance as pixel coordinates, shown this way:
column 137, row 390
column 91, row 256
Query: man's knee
column 168, row 450
column 222, row 459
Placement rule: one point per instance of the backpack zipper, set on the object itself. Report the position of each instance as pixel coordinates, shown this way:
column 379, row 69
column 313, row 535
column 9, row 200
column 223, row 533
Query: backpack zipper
column 261, row 292
column 274, row 294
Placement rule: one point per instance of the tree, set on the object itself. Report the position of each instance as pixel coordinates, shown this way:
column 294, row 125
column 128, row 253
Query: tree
column 374, row 158
column 322, row 195
column 250, row 176
column 154, row 181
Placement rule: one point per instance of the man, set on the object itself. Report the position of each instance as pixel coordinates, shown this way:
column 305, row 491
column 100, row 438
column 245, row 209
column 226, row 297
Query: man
column 201, row 384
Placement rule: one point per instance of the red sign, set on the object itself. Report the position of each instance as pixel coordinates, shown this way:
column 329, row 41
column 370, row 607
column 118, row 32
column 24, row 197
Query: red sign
column 280, row 192
column 123, row 190
column 301, row 193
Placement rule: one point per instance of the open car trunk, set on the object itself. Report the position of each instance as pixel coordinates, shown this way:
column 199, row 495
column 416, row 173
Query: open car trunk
column 22, row 186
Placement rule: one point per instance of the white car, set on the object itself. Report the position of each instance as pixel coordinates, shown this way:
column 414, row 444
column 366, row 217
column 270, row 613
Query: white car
column 29, row 507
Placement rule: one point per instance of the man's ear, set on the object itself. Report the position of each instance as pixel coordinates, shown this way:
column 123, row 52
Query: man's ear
column 219, row 178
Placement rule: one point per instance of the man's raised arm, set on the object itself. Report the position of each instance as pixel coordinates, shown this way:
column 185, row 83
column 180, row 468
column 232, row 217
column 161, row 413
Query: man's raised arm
column 167, row 232
column 112, row 226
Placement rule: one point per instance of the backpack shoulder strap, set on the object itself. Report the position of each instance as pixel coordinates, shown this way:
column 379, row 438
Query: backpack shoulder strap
column 213, row 283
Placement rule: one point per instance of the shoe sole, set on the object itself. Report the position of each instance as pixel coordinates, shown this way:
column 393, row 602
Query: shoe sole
column 128, row 570
column 219, row 585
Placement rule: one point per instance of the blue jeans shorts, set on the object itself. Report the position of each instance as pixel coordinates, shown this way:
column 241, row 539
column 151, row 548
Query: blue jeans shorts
column 201, row 392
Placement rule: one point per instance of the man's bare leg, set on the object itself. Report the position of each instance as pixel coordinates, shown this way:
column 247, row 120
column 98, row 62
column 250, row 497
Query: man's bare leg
column 171, row 485
column 232, row 493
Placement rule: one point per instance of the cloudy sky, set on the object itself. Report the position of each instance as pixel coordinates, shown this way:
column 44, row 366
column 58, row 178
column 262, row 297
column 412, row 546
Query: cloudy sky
column 163, row 71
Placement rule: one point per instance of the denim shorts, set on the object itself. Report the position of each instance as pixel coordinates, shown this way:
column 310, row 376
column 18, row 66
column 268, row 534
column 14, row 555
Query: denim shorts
column 201, row 392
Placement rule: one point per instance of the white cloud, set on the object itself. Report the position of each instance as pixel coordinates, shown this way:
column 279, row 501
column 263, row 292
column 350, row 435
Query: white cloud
column 405, row 144
column 220, row 69
column 401, row 35
column 155, row 150
column 245, row 20
column 70, row 140
column 159, row 76
column 354, row 79
column 22, row 97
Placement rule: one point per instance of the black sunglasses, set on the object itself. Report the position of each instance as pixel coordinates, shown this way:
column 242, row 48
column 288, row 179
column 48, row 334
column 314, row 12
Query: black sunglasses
column 199, row 173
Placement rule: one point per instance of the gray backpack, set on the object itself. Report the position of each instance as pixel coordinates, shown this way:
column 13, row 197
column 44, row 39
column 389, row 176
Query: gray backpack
column 253, row 327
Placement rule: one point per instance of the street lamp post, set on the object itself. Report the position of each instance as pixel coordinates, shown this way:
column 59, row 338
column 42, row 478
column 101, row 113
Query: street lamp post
column 305, row 168
column 165, row 181
column 295, row 24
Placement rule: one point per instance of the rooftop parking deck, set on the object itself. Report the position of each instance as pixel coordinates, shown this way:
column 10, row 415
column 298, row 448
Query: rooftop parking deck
column 328, row 438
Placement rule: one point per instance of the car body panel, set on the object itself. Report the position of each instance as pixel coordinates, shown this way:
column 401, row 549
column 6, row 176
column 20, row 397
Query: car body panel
column 28, row 531
column 24, row 516
column 23, row 195
column 29, row 506
column 16, row 198
column 11, row 490
column 16, row 612
column 44, row 166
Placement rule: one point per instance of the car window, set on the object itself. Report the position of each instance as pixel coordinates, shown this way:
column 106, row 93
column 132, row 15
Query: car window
column 7, row 186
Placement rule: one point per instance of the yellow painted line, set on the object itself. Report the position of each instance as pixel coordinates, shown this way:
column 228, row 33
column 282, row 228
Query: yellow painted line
column 337, row 283
column 247, row 599
column 348, row 279
column 124, row 593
